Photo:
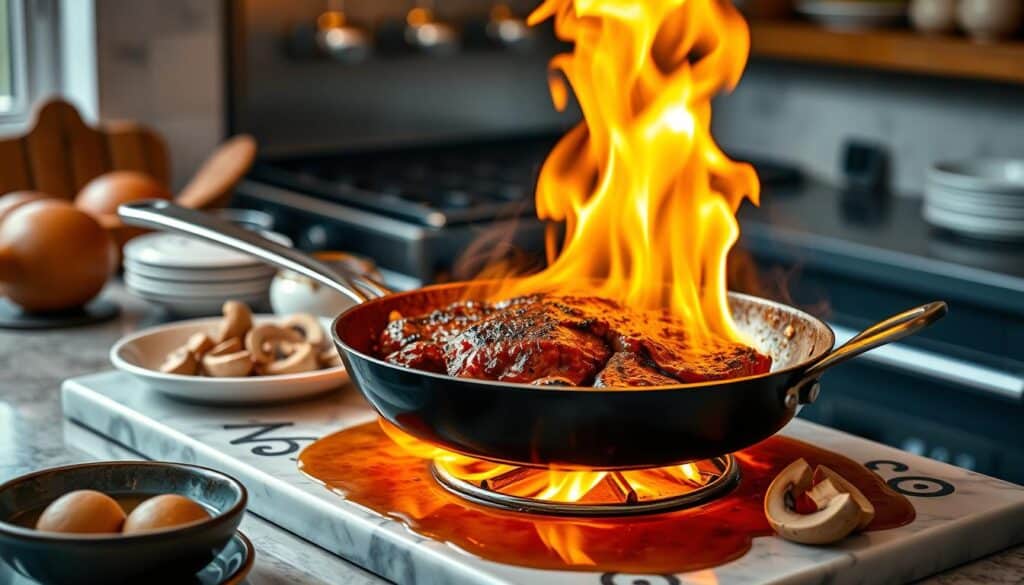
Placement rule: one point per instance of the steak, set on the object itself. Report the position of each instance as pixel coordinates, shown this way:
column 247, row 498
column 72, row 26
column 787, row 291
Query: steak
column 563, row 341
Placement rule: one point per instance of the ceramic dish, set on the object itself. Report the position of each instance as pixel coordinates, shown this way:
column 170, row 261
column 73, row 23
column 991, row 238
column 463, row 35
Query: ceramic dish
column 198, row 306
column 992, row 176
column 852, row 14
column 237, row 288
column 976, row 199
column 260, row 271
column 986, row 228
column 174, row 251
column 115, row 558
column 141, row 354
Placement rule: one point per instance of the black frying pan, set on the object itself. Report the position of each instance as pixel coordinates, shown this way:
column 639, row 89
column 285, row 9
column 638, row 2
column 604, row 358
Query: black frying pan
column 565, row 427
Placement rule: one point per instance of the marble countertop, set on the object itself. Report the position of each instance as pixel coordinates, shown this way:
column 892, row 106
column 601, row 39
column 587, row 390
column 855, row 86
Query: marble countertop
column 33, row 364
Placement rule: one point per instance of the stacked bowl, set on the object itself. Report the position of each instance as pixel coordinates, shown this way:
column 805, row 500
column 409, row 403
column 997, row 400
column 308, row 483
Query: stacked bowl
column 193, row 278
column 982, row 198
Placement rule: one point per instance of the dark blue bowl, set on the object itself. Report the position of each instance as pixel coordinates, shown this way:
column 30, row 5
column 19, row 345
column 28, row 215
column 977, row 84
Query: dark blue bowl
column 73, row 559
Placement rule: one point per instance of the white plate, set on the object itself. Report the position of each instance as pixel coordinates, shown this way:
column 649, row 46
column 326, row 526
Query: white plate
column 975, row 226
column 977, row 199
column 200, row 274
column 957, row 203
column 241, row 288
column 196, row 306
column 141, row 354
column 177, row 251
column 851, row 14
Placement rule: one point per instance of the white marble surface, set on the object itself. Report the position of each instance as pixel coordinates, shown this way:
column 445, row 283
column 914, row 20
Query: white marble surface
column 960, row 515
column 33, row 364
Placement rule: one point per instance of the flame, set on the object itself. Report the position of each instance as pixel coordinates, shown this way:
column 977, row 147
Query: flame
column 553, row 485
column 647, row 197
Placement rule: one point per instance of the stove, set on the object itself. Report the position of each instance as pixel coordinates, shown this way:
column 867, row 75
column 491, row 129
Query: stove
column 327, row 471
column 417, row 210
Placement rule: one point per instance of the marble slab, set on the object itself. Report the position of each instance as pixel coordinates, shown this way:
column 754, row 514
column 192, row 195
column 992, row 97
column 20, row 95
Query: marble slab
column 960, row 515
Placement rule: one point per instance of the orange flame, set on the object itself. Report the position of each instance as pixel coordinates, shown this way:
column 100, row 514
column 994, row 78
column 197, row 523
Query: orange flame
column 648, row 198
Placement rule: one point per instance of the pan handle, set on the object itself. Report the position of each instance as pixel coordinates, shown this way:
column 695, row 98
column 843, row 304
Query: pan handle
column 166, row 216
column 892, row 329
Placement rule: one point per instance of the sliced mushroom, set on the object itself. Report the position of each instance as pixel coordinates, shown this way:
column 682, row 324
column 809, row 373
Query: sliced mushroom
column 329, row 358
column 262, row 341
column 236, row 322
column 227, row 346
column 228, row 365
column 867, row 509
column 831, row 523
column 308, row 326
column 302, row 359
column 198, row 344
column 180, row 362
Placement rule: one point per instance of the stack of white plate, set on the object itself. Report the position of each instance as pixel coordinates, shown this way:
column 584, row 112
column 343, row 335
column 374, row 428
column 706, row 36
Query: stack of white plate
column 982, row 198
column 191, row 277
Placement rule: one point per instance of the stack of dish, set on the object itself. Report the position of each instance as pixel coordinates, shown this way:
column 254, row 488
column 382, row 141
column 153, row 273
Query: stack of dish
column 191, row 277
column 853, row 14
column 981, row 198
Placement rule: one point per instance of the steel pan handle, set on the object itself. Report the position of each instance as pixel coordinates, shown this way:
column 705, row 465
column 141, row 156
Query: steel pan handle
column 166, row 216
column 892, row 329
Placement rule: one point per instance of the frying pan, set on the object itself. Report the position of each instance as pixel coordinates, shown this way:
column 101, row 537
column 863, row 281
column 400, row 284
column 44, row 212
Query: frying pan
column 571, row 428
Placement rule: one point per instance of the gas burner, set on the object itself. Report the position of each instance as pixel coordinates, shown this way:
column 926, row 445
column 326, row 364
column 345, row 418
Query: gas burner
column 604, row 493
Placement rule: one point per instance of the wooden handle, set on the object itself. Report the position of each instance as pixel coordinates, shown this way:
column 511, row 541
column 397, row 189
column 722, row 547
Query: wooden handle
column 212, row 184
column 8, row 265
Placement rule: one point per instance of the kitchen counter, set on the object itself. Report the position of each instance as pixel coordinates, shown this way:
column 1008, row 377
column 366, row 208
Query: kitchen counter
column 33, row 364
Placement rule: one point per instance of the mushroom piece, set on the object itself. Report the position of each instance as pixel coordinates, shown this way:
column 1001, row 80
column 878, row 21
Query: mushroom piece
column 264, row 341
column 237, row 321
column 198, row 344
column 180, row 362
column 302, row 359
column 228, row 365
column 831, row 523
column 306, row 325
column 867, row 509
column 227, row 346
column 329, row 358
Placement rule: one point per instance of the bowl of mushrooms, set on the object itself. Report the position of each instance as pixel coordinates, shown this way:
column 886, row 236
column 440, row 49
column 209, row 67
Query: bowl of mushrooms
column 238, row 358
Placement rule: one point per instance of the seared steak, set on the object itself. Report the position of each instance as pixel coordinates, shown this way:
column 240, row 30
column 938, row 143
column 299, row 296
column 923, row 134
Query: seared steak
column 563, row 340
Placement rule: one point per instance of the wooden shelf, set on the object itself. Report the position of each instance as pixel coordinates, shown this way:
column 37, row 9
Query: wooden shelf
column 894, row 50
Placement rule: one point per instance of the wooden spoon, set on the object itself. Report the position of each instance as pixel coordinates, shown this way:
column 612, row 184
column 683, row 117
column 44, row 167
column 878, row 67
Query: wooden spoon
column 212, row 184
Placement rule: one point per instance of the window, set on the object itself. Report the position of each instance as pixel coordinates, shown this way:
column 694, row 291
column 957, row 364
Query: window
column 28, row 57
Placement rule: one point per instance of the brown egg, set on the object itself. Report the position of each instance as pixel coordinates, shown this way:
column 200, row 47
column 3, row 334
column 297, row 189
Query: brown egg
column 82, row 512
column 52, row 256
column 164, row 511
column 16, row 199
column 101, row 196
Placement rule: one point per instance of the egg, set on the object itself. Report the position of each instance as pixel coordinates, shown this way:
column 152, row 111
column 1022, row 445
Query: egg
column 16, row 199
column 101, row 196
column 164, row 511
column 82, row 512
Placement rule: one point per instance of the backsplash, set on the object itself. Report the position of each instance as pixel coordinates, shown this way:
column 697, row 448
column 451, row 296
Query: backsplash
column 162, row 63
column 804, row 114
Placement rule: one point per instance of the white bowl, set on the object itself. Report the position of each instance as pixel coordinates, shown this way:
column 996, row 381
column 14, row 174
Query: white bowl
column 141, row 354
column 987, row 175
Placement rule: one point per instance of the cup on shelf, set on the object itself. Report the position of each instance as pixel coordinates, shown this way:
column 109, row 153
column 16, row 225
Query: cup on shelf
column 988, row 21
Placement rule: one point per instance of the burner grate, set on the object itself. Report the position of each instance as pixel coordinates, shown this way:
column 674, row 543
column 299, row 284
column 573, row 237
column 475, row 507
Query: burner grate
column 618, row 493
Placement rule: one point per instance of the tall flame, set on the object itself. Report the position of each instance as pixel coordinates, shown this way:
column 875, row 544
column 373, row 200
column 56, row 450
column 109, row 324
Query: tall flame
column 647, row 197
